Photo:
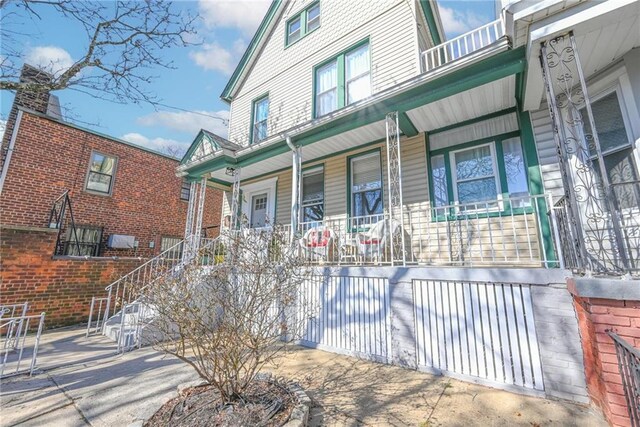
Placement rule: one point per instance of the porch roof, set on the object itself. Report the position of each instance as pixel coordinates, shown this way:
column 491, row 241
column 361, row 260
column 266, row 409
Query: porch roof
column 480, row 84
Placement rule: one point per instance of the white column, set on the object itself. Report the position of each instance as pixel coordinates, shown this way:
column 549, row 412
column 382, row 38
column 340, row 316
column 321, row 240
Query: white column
column 296, row 189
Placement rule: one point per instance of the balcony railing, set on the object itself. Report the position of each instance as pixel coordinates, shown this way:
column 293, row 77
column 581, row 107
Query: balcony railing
column 462, row 46
column 509, row 232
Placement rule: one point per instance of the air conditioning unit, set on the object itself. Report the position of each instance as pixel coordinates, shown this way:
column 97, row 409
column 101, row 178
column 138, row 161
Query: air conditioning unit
column 121, row 241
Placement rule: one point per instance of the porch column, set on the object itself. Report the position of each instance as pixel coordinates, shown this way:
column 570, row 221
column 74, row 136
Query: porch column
column 198, row 228
column 235, row 196
column 188, row 226
column 592, row 215
column 295, row 186
column 394, row 183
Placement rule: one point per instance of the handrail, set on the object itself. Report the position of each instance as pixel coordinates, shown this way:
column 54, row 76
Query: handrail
column 462, row 45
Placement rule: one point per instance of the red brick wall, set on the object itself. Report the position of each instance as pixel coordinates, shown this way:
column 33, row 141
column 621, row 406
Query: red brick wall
column 61, row 287
column 50, row 157
column 595, row 317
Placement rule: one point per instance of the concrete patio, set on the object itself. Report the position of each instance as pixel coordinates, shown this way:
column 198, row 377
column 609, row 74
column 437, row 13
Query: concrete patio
column 82, row 382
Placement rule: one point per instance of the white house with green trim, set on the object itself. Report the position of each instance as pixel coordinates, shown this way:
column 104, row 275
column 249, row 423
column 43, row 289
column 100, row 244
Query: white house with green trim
column 445, row 189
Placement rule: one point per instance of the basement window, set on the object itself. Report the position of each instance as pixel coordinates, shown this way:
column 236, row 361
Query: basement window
column 100, row 177
column 88, row 240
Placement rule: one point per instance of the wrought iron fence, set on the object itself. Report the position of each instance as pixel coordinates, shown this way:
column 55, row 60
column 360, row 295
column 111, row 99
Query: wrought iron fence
column 16, row 344
column 629, row 365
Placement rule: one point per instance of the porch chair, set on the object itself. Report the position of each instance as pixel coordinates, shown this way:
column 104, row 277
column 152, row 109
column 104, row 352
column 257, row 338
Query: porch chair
column 374, row 244
column 319, row 243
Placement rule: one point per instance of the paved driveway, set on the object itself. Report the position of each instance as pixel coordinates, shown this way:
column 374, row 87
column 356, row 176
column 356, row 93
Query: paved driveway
column 85, row 383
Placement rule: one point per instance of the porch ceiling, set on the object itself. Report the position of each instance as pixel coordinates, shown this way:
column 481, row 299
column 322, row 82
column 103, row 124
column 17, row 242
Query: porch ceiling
column 482, row 100
column 343, row 141
column 604, row 32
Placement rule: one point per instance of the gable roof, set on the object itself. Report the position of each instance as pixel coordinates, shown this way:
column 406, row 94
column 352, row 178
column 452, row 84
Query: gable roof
column 429, row 9
column 266, row 26
column 206, row 143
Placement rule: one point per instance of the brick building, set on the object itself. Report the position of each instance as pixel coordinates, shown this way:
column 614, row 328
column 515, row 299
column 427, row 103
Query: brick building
column 115, row 189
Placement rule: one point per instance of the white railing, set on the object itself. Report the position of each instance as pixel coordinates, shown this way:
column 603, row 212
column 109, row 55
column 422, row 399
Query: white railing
column 127, row 288
column 14, row 340
column 508, row 232
column 462, row 46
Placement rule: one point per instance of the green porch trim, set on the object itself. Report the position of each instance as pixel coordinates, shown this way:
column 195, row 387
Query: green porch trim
column 406, row 125
column 251, row 49
column 536, row 186
column 430, row 17
column 494, row 68
column 475, row 120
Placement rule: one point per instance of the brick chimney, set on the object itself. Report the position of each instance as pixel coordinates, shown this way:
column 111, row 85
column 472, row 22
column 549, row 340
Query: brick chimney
column 41, row 102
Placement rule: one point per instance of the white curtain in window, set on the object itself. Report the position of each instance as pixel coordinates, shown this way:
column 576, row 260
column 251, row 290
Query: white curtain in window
column 326, row 88
column 439, row 176
column 358, row 74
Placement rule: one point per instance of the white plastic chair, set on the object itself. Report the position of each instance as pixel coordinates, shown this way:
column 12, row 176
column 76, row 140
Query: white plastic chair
column 318, row 243
column 374, row 243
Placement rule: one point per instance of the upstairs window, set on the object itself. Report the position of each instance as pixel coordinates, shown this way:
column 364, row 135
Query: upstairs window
column 102, row 170
column 303, row 23
column 260, row 117
column 342, row 80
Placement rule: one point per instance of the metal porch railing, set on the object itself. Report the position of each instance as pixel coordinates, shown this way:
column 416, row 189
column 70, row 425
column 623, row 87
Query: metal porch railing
column 512, row 231
column 462, row 46
column 15, row 342
column 629, row 365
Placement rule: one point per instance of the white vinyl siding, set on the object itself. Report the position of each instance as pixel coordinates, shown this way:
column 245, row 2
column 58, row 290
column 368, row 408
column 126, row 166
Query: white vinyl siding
column 287, row 72
column 547, row 151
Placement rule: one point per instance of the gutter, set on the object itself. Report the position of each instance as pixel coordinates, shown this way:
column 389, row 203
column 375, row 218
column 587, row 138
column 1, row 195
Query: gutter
column 12, row 143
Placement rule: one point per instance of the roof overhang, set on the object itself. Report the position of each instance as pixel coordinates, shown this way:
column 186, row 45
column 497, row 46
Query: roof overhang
column 592, row 23
column 495, row 65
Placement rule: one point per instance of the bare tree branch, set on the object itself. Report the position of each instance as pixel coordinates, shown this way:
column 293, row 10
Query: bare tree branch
column 124, row 42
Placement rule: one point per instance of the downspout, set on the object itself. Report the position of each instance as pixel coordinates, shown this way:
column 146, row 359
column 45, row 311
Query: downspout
column 12, row 143
column 295, row 186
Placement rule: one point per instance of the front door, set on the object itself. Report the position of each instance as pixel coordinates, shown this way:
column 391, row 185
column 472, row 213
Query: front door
column 259, row 210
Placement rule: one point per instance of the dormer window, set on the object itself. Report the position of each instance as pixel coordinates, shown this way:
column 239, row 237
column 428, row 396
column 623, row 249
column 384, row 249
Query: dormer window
column 260, row 114
column 303, row 23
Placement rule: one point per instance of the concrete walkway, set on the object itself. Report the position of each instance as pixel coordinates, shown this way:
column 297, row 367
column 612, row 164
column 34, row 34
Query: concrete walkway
column 84, row 383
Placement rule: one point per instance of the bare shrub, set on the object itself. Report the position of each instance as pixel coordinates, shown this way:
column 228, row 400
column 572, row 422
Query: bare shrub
column 232, row 311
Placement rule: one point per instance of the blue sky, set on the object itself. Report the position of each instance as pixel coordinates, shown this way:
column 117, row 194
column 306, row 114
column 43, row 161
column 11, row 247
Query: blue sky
column 225, row 28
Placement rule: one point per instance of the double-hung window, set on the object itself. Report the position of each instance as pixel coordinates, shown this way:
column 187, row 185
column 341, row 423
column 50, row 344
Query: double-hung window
column 185, row 190
column 303, row 23
column 260, row 119
column 366, row 185
column 343, row 80
column 313, row 195
column 102, row 169
column 476, row 176
column 616, row 147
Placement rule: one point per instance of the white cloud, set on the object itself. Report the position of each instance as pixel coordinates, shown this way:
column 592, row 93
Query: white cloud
column 188, row 122
column 50, row 58
column 3, row 127
column 244, row 15
column 457, row 22
column 163, row 145
column 213, row 56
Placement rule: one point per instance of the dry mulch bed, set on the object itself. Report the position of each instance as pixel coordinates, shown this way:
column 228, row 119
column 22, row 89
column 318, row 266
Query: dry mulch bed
column 265, row 403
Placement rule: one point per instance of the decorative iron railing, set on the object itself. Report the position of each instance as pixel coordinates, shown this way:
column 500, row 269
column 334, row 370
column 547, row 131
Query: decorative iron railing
column 16, row 344
column 462, row 46
column 629, row 365
column 67, row 233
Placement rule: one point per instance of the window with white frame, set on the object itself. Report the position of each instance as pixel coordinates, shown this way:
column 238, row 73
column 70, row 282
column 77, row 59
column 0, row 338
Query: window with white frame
column 366, row 185
column 294, row 30
column 475, row 174
column 313, row 195
column 102, row 169
column 260, row 118
column 616, row 147
column 343, row 80
column 313, row 17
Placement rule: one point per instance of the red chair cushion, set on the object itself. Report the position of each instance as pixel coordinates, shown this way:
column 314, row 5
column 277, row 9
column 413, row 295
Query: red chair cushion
column 371, row 242
column 318, row 240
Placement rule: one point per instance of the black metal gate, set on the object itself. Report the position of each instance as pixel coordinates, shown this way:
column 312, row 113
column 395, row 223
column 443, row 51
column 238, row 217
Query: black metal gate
column 629, row 365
